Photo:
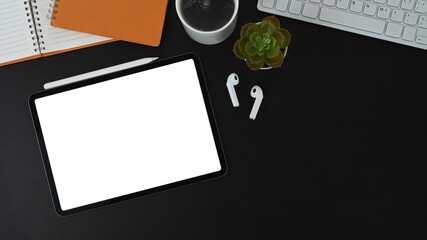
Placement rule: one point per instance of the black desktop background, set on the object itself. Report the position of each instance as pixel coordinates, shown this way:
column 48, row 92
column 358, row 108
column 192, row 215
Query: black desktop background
column 338, row 149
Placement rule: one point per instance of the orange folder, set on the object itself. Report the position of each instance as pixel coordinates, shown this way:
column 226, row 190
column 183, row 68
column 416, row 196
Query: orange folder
column 139, row 21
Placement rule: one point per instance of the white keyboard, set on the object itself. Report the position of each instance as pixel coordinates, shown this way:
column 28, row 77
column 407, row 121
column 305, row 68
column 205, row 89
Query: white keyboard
column 399, row 21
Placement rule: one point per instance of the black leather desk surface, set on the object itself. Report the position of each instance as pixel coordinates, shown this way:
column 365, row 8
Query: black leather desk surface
column 338, row 150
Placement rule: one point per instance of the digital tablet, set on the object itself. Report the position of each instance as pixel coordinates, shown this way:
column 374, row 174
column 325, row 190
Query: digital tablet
column 127, row 134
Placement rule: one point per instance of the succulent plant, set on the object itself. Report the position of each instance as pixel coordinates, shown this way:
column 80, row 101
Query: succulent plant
column 262, row 44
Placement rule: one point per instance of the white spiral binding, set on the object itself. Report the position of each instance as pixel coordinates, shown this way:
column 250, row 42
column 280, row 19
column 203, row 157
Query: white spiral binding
column 31, row 26
column 39, row 32
column 53, row 10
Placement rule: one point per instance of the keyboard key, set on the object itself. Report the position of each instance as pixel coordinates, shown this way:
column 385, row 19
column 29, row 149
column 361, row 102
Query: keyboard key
column 370, row 9
column 383, row 12
column 422, row 32
column 295, row 7
column 380, row 1
column 343, row 4
column 407, row 4
column 268, row 3
column 282, row 5
column 394, row 30
column 409, row 33
column 393, row 3
column 423, row 22
column 411, row 18
column 329, row 2
column 356, row 6
column 310, row 10
column 421, row 7
column 397, row 15
column 352, row 20
column 421, row 40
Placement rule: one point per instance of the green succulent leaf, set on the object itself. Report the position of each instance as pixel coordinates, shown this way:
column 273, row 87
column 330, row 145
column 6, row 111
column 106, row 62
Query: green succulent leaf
column 280, row 38
column 245, row 28
column 268, row 27
column 252, row 29
column 237, row 51
column 255, row 62
column 250, row 49
column 259, row 40
column 287, row 36
column 255, row 36
column 273, row 41
column 242, row 44
column 266, row 38
column 257, row 58
column 273, row 20
column 273, row 52
column 276, row 61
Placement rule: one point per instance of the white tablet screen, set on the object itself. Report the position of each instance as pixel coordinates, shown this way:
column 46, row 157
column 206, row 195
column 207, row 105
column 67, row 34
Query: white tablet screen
column 128, row 134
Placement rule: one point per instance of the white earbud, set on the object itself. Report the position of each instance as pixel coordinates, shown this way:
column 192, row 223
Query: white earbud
column 232, row 81
column 256, row 92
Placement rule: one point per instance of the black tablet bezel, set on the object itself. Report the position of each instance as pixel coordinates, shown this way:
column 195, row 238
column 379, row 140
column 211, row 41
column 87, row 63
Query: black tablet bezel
column 112, row 76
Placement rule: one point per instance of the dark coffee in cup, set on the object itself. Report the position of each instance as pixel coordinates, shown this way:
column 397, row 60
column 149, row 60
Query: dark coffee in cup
column 207, row 15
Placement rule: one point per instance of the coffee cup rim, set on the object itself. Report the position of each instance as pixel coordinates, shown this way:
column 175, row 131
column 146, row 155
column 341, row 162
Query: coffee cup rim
column 179, row 12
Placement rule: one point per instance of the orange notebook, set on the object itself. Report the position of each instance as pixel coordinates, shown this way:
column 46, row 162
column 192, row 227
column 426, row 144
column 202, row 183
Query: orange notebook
column 26, row 33
column 139, row 21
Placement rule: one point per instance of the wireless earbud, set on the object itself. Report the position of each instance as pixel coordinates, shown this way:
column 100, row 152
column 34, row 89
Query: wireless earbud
column 232, row 81
column 256, row 92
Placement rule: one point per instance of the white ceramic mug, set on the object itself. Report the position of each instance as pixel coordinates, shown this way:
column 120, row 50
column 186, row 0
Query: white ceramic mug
column 209, row 37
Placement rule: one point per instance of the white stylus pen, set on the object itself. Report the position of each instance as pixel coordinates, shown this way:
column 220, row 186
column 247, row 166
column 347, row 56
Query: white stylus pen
column 99, row 72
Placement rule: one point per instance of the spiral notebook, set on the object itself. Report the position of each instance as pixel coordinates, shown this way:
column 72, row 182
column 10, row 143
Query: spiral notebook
column 133, row 21
column 26, row 33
